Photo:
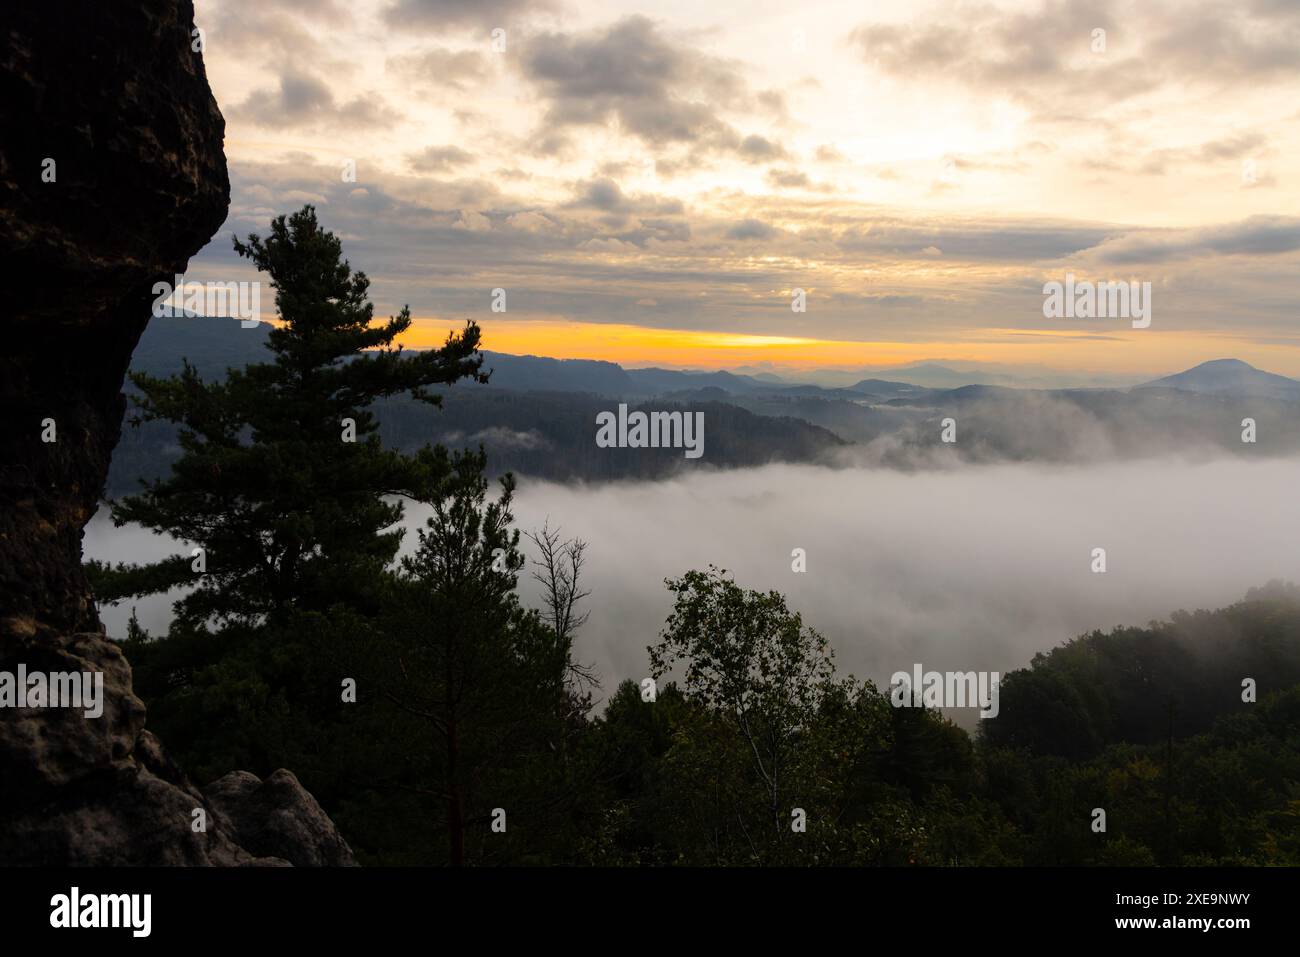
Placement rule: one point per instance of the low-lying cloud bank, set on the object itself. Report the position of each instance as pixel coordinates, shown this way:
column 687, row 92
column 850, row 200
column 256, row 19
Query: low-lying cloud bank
column 971, row 568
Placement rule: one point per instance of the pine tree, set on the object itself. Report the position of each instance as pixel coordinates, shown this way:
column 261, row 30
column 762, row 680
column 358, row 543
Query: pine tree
column 471, row 697
column 283, row 482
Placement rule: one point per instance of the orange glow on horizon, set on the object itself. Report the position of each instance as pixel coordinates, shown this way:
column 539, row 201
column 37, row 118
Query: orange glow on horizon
column 1121, row 351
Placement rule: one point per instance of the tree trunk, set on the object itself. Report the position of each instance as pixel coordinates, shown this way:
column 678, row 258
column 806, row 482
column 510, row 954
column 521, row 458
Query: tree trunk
column 455, row 812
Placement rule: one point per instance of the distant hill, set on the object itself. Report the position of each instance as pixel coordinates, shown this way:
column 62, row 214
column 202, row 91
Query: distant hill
column 212, row 344
column 1230, row 377
column 660, row 381
column 541, row 374
column 885, row 389
column 941, row 377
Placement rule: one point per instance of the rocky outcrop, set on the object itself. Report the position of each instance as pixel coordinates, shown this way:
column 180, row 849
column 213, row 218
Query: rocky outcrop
column 278, row 818
column 79, row 790
column 112, row 176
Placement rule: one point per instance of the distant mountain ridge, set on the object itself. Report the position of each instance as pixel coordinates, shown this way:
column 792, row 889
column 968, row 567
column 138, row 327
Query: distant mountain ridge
column 216, row 343
column 536, row 416
column 1230, row 377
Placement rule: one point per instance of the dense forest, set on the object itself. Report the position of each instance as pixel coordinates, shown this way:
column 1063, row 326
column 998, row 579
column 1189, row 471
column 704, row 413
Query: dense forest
column 439, row 721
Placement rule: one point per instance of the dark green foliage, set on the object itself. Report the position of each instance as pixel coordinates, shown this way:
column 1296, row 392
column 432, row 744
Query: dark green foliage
column 469, row 689
column 1106, row 688
column 462, row 698
column 289, row 515
column 902, row 786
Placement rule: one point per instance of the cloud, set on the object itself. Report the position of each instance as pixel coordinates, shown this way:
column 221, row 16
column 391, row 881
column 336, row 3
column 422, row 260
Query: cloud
column 656, row 89
column 994, row 49
column 1256, row 236
column 795, row 180
column 439, row 66
column 303, row 100
column 606, row 195
column 974, row 240
column 751, row 229
column 441, row 14
column 788, row 179
column 532, row 221
column 333, row 11
column 497, row 437
column 1044, row 56
column 1246, row 144
column 438, row 159
column 270, row 37
column 774, row 103
column 601, row 194
column 472, row 221
column 759, row 149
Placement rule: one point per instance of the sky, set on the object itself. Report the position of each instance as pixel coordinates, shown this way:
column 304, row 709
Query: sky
column 651, row 183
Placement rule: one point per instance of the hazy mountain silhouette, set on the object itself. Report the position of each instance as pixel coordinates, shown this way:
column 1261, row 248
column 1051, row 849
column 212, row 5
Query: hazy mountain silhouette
column 1230, row 377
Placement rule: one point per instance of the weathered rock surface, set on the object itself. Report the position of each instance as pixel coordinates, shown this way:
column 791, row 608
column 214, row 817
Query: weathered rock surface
column 112, row 176
column 278, row 818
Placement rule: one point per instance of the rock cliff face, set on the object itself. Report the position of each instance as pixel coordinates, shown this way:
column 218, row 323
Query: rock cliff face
column 112, row 176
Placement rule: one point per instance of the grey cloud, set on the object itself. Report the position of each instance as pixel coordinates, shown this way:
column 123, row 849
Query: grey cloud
column 985, row 45
column 331, row 10
column 659, row 90
column 275, row 31
column 751, row 229
column 788, row 179
column 457, row 69
column 759, row 149
column 440, row 14
column 660, row 229
column 305, row 100
column 438, row 159
column 1232, row 147
column 793, row 179
column 1216, row 41
column 606, row 195
column 773, row 102
column 602, row 194
column 1237, row 146
column 976, row 241
column 1040, row 57
column 1256, row 236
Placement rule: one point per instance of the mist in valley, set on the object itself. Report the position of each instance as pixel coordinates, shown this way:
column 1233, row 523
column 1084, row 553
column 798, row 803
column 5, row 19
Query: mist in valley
column 977, row 567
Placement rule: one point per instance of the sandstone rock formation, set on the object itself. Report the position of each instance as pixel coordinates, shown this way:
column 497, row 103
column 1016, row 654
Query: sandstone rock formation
column 278, row 818
column 112, row 176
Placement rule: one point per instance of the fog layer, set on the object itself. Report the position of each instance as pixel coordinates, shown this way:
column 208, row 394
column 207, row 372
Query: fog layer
column 972, row 568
